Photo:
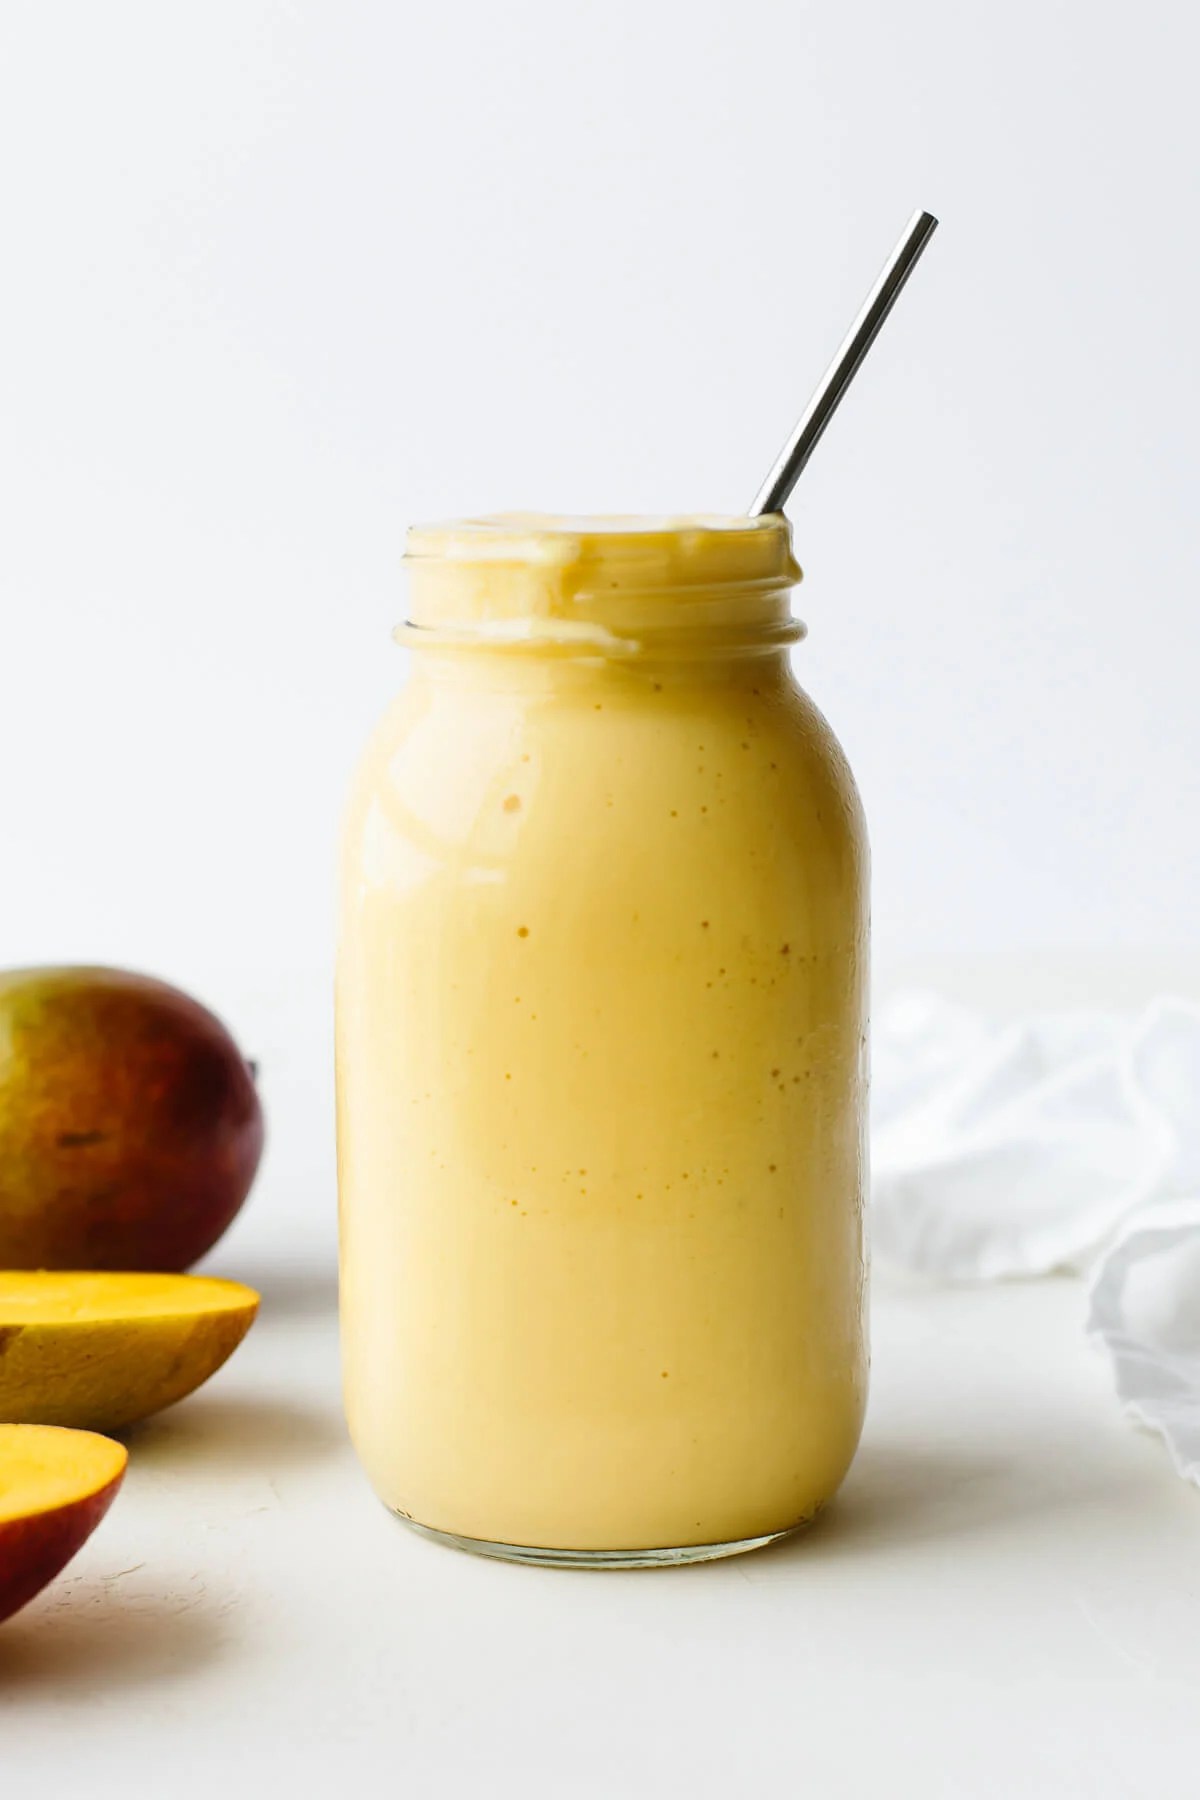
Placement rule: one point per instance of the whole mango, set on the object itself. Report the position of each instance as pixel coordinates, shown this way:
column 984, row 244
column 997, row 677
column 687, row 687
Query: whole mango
column 130, row 1125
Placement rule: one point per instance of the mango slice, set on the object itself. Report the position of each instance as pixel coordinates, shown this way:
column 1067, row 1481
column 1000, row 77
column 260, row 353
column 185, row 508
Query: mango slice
column 55, row 1487
column 102, row 1350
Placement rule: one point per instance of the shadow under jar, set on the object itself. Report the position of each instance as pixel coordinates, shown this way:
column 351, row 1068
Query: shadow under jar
column 601, row 1047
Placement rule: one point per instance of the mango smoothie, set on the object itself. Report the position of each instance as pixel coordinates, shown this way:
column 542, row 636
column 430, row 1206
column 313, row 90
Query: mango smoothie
column 601, row 1047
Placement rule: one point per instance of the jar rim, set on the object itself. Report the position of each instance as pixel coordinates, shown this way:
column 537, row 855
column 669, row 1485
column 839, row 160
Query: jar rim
column 532, row 578
column 661, row 550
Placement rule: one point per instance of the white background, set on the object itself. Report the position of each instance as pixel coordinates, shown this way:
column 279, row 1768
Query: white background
column 279, row 279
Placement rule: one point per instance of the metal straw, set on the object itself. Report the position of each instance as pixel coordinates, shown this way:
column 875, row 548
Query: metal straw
column 773, row 495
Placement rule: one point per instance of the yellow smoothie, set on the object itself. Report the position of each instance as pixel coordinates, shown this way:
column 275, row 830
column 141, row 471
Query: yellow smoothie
column 602, row 1050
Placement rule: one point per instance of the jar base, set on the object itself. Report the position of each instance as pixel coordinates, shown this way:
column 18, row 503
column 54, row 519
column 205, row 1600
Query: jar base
column 599, row 1559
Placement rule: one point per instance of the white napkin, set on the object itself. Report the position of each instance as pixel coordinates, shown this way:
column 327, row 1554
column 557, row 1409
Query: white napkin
column 1068, row 1141
column 1145, row 1313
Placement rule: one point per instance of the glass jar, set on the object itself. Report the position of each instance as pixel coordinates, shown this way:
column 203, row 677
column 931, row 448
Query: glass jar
column 602, row 1052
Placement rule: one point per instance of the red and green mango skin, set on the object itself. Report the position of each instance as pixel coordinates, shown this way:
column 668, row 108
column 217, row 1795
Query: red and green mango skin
column 130, row 1125
column 34, row 1549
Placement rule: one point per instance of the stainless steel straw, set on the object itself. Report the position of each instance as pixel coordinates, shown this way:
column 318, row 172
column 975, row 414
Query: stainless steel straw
column 773, row 495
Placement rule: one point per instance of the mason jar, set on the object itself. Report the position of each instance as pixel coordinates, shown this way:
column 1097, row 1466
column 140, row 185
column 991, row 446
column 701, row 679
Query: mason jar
column 602, row 1051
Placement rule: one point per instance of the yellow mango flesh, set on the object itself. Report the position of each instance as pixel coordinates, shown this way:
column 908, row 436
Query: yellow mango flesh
column 44, row 1468
column 104, row 1350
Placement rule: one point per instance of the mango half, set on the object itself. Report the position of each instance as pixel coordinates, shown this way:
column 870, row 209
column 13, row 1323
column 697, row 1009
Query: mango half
column 55, row 1487
column 105, row 1350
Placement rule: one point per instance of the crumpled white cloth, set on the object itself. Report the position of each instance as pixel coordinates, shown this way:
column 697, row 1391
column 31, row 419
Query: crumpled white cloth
column 1069, row 1141
column 1145, row 1313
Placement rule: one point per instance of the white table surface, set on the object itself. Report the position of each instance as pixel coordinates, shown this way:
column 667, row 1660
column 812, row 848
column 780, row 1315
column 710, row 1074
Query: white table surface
column 1003, row 1602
